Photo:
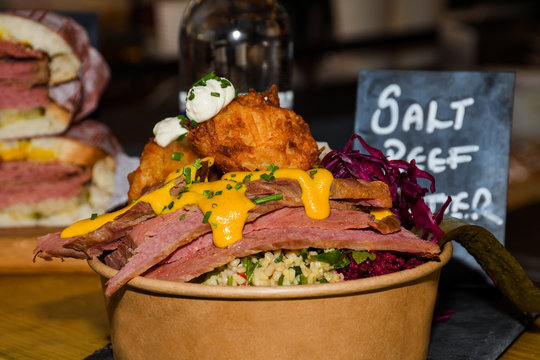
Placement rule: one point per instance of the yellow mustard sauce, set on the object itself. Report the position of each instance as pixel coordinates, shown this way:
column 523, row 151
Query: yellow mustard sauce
column 223, row 202
column 315, row 185
column 25, row 150
column 381, row 213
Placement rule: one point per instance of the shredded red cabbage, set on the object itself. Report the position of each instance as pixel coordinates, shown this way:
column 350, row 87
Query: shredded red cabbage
column 385, row 263
column 400, row 176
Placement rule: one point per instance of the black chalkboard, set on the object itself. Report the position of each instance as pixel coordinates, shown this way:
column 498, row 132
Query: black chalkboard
column 456, row 125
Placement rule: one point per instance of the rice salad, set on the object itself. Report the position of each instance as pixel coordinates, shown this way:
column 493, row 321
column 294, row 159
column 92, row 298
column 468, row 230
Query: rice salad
column 275, row 268
column 285, row 267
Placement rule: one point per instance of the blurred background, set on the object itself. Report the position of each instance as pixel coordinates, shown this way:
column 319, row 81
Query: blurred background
column 333, row 40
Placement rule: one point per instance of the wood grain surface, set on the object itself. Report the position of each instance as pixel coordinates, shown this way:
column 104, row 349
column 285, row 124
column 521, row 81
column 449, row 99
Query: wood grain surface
column 16, row 251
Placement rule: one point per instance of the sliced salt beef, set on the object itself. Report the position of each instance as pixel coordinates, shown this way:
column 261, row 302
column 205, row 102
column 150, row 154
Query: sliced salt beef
column 20, row 193
column 172, row 234
column 208, row 257
column 290, row 188
column 159, row 237
column 202, row 256
column 24, row 72
column 95, row 242
column 23, row 173
column 22, row 97
column 18, row 50
column 364, row 193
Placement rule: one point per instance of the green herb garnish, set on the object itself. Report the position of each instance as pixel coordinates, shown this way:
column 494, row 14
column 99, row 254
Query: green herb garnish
column 187, row 174
column 272, row 168
column 177, row 156
column 258, row 201
column 215, row 94
column 361, row 256
column 336, row 258
column 93, row 216
column 250, row 267
column 206, row 217
column 268, row 177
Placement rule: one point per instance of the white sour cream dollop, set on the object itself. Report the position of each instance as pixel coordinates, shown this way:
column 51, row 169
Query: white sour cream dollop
column 205, row 101
column 168, row 130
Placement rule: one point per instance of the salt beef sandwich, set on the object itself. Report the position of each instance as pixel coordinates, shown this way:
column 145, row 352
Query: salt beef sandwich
column 271, row 195
column 54, row 168
column 50, row 76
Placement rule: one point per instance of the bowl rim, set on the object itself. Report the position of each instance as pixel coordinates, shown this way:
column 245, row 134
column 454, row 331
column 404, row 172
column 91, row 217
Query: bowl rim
column 377, row 283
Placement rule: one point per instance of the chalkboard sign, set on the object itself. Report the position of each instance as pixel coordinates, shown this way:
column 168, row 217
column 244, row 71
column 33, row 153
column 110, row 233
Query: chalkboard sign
column 456, row 125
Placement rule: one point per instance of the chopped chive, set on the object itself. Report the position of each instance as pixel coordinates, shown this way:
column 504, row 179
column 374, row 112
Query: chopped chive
column 268, row 177
column 238, row 186
column 225, row 83
column 191, row 95
column 197, row 164
column 247, row 178
column 235, row 93
column 278, row 259
column 323, row 280
column 215, row 94
column 187, row 174
column 181, row 137
column 229, row 280
column 182, row 217
column 194, row 123
column 214, row 205
column 170, row 206
column 93, row 216
column 258, row 201
column 272, row 168
column 280, row 280
column 177, row 156
column 206, row 217
column 303, row 279
column 218, row 193
column 312, row 172
column 233, row 175
column 229, row 187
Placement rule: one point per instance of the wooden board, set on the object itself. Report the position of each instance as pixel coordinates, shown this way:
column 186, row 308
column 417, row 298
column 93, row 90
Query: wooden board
column 16, row 254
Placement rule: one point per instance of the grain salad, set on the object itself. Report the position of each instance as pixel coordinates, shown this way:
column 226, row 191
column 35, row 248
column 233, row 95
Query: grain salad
column 276, row 268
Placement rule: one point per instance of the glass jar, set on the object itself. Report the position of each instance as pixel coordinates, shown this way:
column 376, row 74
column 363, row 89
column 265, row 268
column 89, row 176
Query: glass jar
column 246, row 41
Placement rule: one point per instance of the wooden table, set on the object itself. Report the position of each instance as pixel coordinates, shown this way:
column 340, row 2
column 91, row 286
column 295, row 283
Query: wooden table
column 62, row 316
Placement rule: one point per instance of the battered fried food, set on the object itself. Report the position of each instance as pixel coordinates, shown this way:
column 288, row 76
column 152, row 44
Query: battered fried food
column 156, row 164
column 253, row 132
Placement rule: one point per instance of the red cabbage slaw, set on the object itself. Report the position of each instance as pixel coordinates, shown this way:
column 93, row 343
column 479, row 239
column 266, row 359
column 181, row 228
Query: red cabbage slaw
column 400, row 176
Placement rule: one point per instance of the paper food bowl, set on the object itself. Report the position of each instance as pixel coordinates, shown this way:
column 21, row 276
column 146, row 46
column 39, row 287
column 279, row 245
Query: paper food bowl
column 384, row 317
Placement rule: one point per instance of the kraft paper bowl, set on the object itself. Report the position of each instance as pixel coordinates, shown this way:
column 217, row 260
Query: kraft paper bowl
column 384, row 317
